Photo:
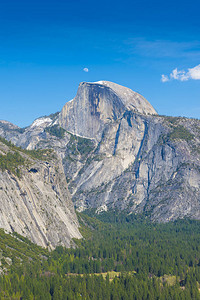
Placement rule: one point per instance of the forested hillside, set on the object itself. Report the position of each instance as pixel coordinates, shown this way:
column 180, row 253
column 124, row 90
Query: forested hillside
column 121, row 257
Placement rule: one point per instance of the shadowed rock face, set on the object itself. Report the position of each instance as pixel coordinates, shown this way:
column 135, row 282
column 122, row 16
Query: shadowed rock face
column 131, row 99
column 98, row 104
column 118, row 153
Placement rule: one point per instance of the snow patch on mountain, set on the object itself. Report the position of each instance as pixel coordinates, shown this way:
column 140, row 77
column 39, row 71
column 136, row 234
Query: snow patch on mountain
column 41, row 122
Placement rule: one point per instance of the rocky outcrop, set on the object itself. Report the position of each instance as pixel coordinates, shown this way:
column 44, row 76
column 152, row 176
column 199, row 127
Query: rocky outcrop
column 154, row 168
column 35, row 201
column 98, row 104
column 118, row 153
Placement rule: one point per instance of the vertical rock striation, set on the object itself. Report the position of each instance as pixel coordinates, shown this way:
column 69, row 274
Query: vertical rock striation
column 118, row 153
column 35, row 201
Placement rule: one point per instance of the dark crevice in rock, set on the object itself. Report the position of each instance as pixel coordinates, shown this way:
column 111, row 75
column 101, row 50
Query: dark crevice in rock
column 116, row 139
column 128, row 116
column 33, row 170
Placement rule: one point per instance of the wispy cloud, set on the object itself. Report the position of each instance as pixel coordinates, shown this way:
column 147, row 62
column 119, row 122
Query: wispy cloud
column 182, row 75
column 86, row 70
column 164, row 78
column 163, row 48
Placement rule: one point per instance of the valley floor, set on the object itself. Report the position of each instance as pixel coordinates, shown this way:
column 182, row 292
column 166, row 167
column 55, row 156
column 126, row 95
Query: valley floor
column 120, row 257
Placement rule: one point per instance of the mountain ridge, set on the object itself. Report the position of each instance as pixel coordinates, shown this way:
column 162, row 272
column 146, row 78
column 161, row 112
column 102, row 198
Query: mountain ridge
column 115, row 156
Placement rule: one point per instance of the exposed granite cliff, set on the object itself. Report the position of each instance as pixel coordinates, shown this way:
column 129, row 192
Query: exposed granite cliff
column 118, row 153
column 98, row 104
column 35, row 201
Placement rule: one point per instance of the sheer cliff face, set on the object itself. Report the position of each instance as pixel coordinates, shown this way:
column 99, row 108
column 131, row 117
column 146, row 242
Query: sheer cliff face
column 148, row 165
column 118, row 153
column 98, row 104
column 36, row 203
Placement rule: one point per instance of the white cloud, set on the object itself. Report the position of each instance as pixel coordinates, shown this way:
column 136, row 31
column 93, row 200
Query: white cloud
column 179, row 75
column 194, row 72
column 174, row 74
column 164, row 78
column 86, row 70
column 191, row 73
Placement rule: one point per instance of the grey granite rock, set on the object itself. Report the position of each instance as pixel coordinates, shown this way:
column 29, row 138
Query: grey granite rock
column 37, row 203
column 98, row 104
column 118, row 153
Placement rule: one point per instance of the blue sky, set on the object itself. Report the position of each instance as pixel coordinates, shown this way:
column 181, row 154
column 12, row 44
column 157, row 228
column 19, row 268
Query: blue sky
column 45, row 46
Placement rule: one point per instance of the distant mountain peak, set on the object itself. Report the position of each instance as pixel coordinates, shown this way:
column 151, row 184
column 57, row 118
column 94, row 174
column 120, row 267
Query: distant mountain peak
column 7, row 124
column 139, row 161
column 99, row 103
column 43, row 121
